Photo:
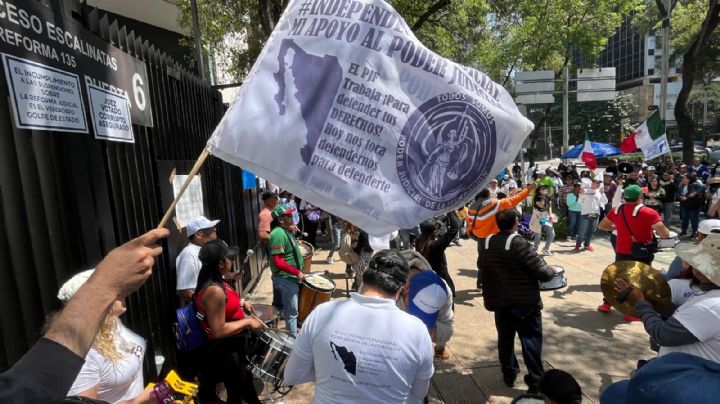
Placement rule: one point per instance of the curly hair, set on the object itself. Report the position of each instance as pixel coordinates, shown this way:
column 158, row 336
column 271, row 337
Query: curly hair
column 105, row 339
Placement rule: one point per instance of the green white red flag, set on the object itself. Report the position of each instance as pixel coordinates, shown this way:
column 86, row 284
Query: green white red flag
column 651, row 138
column 588, row 155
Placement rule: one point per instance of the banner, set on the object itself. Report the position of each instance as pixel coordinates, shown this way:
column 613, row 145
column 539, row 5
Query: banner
column 348, row 110
column 657, row 148
column 30, row 30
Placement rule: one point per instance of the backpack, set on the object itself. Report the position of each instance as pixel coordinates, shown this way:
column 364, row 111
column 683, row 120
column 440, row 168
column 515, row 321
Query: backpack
column 347, row 253
column 189, row 334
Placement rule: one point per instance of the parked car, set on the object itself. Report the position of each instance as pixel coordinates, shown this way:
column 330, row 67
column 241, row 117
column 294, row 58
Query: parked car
column 713, row 154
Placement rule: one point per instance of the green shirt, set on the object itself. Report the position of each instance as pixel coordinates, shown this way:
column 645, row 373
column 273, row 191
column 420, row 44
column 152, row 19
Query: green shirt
column 283, row 242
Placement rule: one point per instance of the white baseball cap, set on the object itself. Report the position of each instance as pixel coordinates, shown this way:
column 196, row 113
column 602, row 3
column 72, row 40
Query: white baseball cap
column 199, row 223
column 707, row 226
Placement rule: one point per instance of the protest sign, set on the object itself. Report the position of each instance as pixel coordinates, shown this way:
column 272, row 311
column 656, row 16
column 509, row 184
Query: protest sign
column 348, row 110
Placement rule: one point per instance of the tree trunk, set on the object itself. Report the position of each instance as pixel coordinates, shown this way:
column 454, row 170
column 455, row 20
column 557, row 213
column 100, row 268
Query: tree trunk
column 693, row 60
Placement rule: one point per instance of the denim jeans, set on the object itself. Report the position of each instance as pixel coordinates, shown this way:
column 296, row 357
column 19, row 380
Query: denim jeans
column 336, row 233
column 586, row 230
column 289, row 293
column 527, row 324
column 668, row 208
column 689, row 216
column 573, row 217
column 549, row 236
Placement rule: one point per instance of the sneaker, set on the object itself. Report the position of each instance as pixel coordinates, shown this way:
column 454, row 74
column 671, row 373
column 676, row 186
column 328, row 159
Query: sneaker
column 630, row 318
column 577, row 249
column 589, row 248
column 605, row 308
column 443, row 354
column 330, row 260
column 509, row 379
column 548, row 253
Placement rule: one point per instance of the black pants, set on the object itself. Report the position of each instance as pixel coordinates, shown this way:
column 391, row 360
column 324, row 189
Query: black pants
column 225, row 360
column 527, row 324
column 478, row 281
column 311, row 229
column 445, row 275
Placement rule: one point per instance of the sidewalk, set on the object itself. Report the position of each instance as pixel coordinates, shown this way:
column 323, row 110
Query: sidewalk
column 598, row 349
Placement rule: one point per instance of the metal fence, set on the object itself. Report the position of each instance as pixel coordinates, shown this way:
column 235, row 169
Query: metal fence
column 67, row 199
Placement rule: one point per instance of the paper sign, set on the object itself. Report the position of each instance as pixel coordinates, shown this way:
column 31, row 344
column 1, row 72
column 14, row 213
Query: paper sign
column 190, row 204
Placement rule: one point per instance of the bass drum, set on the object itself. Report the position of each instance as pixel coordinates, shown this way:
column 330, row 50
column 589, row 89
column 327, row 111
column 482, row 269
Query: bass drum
column 316, row 289
column 557, row 282
column 270, row 354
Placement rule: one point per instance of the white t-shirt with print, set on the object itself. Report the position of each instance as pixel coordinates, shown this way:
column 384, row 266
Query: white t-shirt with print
column 361, row 350
column 119, row 381
column 188, row 267
column 701, row 316
column 681, row 291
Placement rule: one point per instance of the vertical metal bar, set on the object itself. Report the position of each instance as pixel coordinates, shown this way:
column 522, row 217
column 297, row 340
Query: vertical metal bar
column 566, row 113
column 198, row 42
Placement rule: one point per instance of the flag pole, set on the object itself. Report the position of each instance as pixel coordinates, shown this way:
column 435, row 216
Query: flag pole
column 191, row 175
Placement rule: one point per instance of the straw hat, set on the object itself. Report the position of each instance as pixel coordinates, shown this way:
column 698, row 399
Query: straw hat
column 703, row 256
column 713, row 180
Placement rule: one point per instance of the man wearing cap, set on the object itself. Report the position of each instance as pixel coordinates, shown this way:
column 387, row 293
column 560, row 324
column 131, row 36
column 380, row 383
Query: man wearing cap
column 511, row 271
column 365, row 349
column 633, row 222
column 694, row 327
column 200, row 230
column 428, row 297
column 286, row 265
column 676, row 268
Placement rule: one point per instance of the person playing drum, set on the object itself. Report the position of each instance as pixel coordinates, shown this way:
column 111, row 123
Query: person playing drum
column 224, row 355
column 286, row 265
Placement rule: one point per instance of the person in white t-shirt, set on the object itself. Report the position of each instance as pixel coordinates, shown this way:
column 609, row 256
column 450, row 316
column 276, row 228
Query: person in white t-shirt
column 365, row 349
column 694, row 328
column 200, row 230
column 113, row 369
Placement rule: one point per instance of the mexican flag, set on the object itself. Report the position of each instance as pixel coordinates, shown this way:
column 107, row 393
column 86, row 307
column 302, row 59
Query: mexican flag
column 649, row 131
column 650, row 137
column 587, row 155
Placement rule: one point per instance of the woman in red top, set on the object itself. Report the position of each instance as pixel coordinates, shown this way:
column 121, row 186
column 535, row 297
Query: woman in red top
column 224, row 355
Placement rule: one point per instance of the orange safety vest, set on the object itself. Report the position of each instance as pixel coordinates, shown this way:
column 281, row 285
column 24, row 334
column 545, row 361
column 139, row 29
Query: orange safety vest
column 481, row 220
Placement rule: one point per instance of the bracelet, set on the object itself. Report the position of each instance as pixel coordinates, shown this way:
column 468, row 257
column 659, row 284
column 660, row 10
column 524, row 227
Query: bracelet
column 162, row 393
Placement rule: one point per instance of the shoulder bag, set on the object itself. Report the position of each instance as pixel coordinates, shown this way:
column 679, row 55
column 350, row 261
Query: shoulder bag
column 639, row 250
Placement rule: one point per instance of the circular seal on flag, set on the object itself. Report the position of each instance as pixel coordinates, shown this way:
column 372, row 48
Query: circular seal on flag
column 446, row 149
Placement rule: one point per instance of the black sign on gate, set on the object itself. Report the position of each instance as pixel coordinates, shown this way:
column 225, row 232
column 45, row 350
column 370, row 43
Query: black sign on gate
column 31, row 31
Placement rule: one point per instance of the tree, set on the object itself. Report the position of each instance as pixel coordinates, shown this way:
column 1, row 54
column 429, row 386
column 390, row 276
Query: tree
column 695, row 22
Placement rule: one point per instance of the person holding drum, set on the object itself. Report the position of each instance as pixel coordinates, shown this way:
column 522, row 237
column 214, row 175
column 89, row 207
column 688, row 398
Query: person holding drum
column 224, row 356
column 511, row 271
column 286, row 265
column 365, row 349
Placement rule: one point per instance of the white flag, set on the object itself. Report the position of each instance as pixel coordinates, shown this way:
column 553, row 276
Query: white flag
column 656, row 148
column 348, row 110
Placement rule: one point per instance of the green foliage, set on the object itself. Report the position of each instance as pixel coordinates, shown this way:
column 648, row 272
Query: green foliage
column 604, row 121
column 496, row 36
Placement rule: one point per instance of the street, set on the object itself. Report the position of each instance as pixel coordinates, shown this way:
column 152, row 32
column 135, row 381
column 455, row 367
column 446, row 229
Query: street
column 597, row 349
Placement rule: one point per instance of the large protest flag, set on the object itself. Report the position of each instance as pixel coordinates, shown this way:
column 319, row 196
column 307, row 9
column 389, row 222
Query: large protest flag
column 348, row 110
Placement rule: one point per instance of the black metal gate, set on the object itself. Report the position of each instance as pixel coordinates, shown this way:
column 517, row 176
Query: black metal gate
column 67, row 199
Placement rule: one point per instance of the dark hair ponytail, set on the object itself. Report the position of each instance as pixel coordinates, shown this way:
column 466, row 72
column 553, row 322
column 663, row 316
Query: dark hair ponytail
column 209, row 273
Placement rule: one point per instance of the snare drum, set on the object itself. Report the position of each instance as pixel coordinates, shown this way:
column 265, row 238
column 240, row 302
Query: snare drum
column 267, row 314
column 272, row 350
column 314, row 290
column 670, row 242
column 307, row 251
column 557, row 282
